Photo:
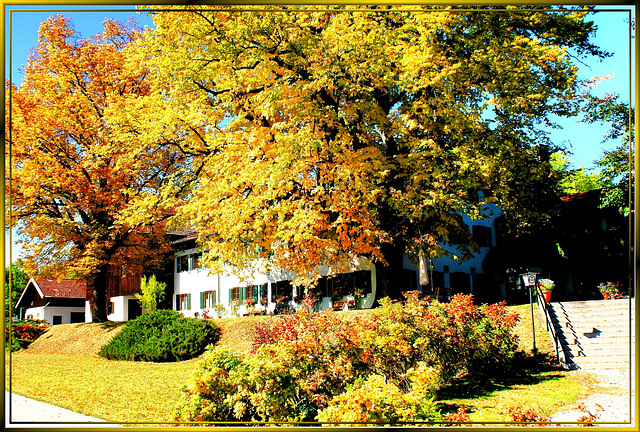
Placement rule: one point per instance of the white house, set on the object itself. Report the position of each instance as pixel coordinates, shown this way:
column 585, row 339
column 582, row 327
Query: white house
column 196, row 291
column 55, row 302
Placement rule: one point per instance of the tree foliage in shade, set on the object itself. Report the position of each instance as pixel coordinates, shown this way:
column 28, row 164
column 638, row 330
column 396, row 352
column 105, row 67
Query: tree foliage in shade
column 15, row 281
column 76, row 186
column 574, row 180
column 361, row 132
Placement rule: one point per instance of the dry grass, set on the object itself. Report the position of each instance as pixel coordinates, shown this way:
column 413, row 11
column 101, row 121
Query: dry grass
column 84, row 339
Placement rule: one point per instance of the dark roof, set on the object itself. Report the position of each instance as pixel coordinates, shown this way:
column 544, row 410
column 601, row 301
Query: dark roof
column 581, row 195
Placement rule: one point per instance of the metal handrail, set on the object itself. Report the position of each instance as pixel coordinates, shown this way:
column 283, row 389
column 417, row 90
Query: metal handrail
column 560, row 355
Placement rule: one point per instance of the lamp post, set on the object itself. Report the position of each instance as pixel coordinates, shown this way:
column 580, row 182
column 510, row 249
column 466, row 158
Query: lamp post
column 530, row 279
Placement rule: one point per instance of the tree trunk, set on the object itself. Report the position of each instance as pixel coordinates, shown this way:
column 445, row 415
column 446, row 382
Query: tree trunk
column 98, row 288
column 390, row 278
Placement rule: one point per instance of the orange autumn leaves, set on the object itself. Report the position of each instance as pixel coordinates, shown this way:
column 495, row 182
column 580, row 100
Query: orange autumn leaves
column 72, row 179
column 292, row 139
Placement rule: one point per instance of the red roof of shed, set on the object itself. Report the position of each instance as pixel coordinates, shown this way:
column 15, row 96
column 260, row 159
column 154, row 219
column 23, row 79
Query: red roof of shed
column 68, row 288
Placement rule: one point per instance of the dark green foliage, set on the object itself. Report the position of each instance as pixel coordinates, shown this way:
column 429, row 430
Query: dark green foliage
column 160, row 336
column 15, row 281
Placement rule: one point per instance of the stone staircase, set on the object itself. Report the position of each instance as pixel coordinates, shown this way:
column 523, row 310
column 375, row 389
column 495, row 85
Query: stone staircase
column 596, row 334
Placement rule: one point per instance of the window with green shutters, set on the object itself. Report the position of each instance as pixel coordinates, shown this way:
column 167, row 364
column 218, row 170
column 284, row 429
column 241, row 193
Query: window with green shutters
column 207, row 299
column 183, row 302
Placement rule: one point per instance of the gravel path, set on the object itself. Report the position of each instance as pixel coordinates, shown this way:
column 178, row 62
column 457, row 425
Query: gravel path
column 612, row 394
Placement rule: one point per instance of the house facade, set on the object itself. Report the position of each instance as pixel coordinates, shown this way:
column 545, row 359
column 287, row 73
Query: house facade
column 122, row 287
column 52, row 301
column 197, row 291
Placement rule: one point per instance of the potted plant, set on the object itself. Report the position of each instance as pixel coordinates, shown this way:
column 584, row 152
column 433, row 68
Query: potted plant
column 546, row 286
column 610, row 290
column 235, row 306
column 220, row 310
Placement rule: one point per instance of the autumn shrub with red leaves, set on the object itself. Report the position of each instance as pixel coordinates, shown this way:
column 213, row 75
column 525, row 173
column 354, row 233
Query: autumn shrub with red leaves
column 458, row 338
column 23, row 333
column 307, row 366
column 457, row 418
column 517, row 414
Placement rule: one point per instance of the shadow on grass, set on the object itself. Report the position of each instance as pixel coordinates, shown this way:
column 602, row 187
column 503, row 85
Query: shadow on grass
column 111, row 324
column 527, row 369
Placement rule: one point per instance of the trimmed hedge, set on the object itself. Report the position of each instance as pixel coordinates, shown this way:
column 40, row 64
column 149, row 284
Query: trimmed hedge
column 161, row 336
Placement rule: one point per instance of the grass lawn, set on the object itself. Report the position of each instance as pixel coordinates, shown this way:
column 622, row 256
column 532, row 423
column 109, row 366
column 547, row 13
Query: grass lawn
column 122, row 391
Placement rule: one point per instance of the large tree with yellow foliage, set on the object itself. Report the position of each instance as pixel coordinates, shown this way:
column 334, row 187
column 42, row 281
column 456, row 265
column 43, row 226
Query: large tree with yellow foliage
column 329, row 135
column 75, row 184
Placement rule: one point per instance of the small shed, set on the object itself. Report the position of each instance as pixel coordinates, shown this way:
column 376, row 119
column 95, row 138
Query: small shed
column 57, row 302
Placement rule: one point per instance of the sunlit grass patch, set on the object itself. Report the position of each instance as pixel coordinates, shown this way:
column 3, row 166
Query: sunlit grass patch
column 117, row 391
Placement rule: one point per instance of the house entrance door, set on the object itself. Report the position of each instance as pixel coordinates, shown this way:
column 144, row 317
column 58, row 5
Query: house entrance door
column 134, row 309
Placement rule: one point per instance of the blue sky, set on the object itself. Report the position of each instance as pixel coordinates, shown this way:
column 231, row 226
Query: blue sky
column 584, row 139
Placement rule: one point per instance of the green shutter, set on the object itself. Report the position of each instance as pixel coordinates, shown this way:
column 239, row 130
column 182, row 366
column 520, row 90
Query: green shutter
column 230, row 295
column 201, row 300
column 188, row 301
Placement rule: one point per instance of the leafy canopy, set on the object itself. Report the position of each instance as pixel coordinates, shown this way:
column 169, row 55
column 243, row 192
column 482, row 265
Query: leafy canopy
column 331, row 135
column 83, row 197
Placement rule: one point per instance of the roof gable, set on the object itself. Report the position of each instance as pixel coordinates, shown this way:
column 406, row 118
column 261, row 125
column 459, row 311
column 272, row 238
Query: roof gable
column 68, row 288
column 49, row 288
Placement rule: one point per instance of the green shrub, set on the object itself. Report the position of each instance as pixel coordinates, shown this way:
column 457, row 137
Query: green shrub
column 159, row 336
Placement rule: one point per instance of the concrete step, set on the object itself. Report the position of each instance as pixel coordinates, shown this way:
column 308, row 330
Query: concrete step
column 579, row 351
column 609, row 333
column 594, row 333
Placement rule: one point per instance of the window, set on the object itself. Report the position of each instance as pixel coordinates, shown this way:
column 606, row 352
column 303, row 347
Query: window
column 236, row 294
column 255, row 292
column 183, row 302
column 281, row 289
column 207, row 299
column 182, row 263
column 195, row 260
column 110, row 308
column 76, row 317
column 482, row 235
column 57, row 319
column 188, row 262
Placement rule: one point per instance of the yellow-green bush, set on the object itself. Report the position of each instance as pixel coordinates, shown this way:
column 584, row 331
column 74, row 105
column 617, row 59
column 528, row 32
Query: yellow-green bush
column 316, row 367
column 378, row 401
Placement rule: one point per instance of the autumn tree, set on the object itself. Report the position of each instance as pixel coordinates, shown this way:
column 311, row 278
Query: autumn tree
column 76, row 187
column 615, row 165
column 574, row 180
column 362, row 132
